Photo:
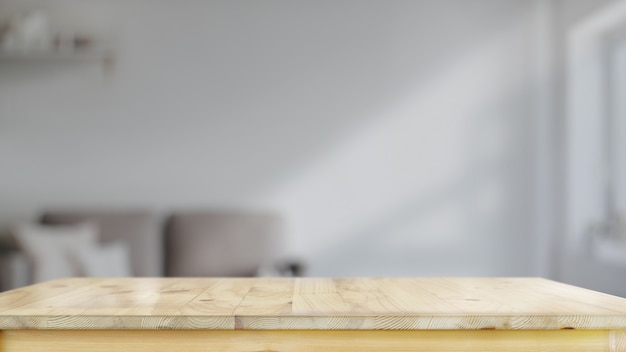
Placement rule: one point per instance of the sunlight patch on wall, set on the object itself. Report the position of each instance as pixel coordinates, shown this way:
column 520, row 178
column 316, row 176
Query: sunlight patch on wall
column 416, row 173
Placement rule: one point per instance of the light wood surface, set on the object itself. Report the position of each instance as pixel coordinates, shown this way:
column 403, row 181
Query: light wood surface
column 309, row 304
column 310, row 341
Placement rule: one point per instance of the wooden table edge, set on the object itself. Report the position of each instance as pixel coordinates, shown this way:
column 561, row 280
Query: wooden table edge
column 312, row 340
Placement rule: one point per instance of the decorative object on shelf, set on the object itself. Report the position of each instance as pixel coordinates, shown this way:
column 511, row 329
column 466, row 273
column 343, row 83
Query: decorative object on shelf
column 30, row 38
column 29, row 33
column 72, row 42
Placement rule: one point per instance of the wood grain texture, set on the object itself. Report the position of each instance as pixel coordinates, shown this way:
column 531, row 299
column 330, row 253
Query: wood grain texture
column 617, row 341
column 310, row 341
column 310, row 304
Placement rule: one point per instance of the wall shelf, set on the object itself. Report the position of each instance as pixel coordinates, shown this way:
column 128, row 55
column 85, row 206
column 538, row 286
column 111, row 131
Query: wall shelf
column 87, row 55
column 97, row 56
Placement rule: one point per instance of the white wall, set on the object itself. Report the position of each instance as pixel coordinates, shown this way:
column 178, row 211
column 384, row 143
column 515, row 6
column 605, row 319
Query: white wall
column 395, row 137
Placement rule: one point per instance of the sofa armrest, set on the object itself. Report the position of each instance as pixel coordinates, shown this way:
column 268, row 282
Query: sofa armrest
column 15, row 270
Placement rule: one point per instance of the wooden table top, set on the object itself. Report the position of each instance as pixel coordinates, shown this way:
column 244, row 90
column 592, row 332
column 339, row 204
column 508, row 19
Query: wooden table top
column 309, row 304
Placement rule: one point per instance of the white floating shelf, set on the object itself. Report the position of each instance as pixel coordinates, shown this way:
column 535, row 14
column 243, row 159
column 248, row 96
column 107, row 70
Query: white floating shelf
column 43, row 56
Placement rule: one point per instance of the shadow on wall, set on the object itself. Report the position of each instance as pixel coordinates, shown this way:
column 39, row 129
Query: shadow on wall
column 460, row 228
column 440, row 181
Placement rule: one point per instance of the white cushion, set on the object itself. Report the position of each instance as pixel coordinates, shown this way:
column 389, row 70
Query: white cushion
column 107, row 260
column 48, row 246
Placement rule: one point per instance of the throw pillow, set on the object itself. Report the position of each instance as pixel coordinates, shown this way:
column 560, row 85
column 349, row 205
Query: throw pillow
column 47, row 247
column 105, row 260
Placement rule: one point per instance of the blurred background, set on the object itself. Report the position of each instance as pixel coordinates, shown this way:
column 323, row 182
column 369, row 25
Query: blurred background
column 373, row 138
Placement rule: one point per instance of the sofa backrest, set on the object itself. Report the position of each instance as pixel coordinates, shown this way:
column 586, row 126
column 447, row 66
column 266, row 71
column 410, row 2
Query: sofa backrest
column 220, row 243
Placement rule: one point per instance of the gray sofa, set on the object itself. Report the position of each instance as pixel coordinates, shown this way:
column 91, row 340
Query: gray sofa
column 196, row 244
